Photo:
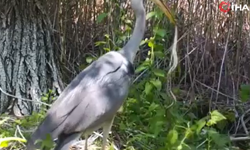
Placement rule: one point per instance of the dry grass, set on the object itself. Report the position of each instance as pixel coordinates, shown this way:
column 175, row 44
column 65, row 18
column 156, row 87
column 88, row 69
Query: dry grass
column 215, row 58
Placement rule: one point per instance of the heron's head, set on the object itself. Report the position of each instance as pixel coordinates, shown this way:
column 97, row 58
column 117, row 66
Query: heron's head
column 165, row 9
column 137, row 6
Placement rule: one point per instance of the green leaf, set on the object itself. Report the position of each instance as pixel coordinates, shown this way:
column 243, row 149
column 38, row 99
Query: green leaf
column 217, row 138
column 143, row 66
column 157, row 83
column 159, row 54
column 100, row 43
column 48, row 142
column 245, row 92
column 159, row 72
column 18, row 122
column 191, row 115
column 4, row 120
column 140, row 68
column 44, row 98
column 128, row 21
column 164, row 96
column 160, row 32
column 180, row 147
column 89, row 59
column 199, row 125
column 82, row 66
column 148, row 88
column 152, row 107
column 151, row 44
column 101, row 17
column 143, row 42
column 106, row 49
column 216, row 116
column 107, row 36
column 4, row 144
column 172, row 136
column 150, row 15
column 230, row 115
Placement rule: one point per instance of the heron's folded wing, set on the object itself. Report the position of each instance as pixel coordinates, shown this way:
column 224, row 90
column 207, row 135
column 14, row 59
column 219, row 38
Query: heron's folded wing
column 106, row 64
column 96, row 108
column 54, row 122
column 80, row 89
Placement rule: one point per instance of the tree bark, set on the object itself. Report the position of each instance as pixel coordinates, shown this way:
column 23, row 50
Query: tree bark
column 27, row 67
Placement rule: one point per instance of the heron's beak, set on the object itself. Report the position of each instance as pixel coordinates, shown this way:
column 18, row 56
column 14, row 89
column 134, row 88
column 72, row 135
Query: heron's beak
column 166, row 10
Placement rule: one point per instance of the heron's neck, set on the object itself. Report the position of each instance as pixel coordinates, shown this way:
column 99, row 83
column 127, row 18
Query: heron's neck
column 131, row 48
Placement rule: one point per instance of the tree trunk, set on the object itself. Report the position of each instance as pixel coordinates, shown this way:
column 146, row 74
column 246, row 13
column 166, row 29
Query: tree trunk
column 27, row 67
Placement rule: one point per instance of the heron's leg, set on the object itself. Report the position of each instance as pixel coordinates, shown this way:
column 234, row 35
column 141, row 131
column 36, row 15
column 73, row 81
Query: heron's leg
column 86, row 142
column 106, row 129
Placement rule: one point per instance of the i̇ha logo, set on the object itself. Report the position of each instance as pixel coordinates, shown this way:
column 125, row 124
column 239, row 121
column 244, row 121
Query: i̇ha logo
column 227, row 6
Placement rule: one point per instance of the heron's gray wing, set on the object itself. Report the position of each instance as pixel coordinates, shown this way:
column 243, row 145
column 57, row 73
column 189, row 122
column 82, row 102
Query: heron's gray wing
column 77, row 92
column 53, row 123
column 95, row 109
column 106, row 64
column 96, row 103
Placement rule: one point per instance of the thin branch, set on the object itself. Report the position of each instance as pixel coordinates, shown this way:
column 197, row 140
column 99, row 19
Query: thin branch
column 24, row 99
column 243, row 122
column 239, row 138
column 215, row 90
column 19, row 131
column 222, row 65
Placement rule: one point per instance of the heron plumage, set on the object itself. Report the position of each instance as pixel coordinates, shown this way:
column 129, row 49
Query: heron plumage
column 90, row 96
column 92, row 99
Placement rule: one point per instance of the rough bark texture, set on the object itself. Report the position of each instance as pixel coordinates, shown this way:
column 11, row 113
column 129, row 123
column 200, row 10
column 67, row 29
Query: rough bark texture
column 27, row 67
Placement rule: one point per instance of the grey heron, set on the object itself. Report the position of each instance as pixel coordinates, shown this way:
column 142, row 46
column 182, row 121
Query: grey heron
column 94, row 96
